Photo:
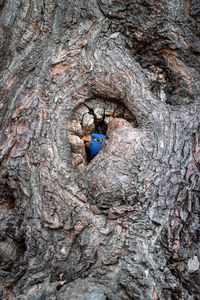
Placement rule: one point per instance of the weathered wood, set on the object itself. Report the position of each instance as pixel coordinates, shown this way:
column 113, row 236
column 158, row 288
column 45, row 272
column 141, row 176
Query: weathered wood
column 126, row 227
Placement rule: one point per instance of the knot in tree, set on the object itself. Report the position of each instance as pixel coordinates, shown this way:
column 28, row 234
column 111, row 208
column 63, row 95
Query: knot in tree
column 121, row 221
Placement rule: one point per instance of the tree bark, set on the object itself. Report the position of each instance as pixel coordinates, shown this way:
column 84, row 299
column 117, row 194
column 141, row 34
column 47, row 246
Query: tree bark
column 126, row 226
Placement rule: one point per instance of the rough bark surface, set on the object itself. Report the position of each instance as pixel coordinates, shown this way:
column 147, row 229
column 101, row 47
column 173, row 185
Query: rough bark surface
column 126, row 227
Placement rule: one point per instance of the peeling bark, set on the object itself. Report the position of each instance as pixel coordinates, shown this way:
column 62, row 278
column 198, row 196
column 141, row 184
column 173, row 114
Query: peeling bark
column 127, row 226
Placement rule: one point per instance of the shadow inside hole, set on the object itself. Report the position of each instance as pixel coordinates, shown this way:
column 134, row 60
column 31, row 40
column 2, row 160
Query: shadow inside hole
column 100, row 127
column 88, row 155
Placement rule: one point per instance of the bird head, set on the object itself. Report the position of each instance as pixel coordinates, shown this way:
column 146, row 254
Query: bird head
column 94, row 142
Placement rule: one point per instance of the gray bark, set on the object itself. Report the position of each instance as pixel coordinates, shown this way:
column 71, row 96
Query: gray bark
column 127, row 225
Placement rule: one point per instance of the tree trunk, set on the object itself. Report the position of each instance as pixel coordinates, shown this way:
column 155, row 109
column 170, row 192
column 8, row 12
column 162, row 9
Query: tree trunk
column 124, row 225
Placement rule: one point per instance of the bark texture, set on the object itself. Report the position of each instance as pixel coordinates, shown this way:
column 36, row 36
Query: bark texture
column 127, row 225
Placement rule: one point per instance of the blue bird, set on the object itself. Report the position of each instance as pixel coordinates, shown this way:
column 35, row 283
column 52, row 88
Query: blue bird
column 94, row 142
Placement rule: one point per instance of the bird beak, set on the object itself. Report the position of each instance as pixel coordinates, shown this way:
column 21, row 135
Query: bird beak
column 87, row 140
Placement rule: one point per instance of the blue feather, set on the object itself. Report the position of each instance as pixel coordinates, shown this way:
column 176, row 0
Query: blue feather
column 95, row 145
